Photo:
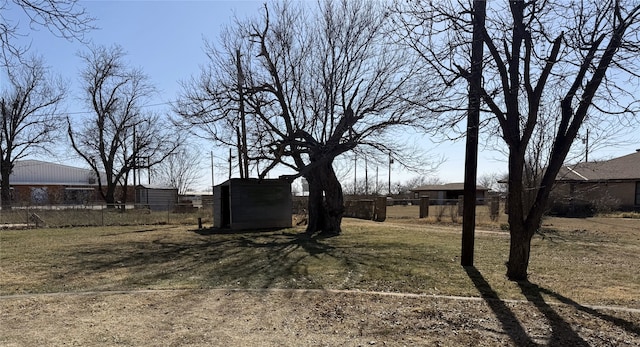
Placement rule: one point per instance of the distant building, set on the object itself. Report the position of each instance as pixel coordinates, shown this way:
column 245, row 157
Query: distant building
column 39, row 183
column 35, row 182
column 442, row 194
column 196, row 199
column 157, row 198
column 612, row 183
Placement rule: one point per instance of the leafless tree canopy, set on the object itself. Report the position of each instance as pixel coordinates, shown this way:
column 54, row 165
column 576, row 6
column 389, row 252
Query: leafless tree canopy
column 551, row 66
column 30, row 117
column 182, row 169
column 311, row 77
column 441, row 33
column 310, row 83
column 119, row 136
column 63, row 18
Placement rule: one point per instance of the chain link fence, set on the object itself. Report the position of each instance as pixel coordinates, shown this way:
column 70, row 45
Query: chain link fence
column 22, row 216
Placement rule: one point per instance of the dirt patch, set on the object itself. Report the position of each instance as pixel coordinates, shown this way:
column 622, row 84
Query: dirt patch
column 303, row 318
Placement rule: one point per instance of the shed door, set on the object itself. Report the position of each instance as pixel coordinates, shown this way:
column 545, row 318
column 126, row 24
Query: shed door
column 225, row 208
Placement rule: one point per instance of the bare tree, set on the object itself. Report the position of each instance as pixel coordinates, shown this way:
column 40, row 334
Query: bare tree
column 63, row 18
column 182, row 169
column 578, row 58
column 490, row 180
column 118, row 136
column 316, row 83
column 29, row 108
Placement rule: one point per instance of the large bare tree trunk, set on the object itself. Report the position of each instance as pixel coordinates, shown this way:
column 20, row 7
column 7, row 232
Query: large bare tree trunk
column 315, row 205
column 326, row 202
column 334, row 201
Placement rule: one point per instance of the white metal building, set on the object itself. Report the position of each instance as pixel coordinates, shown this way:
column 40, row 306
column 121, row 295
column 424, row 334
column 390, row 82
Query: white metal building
column 40, row 182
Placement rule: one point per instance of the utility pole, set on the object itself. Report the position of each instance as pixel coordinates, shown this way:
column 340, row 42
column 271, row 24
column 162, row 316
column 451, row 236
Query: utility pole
column 135, row 162
column 244, row 156
column 149, row 170
column 377, row 188
column 212, row 180
column 355, row 174
column 390, row 162
column 586, row 147
column 230, row 158
column 366, row 176
column 473, row 123
column 240, row 155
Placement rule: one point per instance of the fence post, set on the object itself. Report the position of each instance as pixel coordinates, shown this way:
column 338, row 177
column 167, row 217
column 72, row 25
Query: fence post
column 424, row 207
column 494, row 207
column 460, row 205
column 381, row 209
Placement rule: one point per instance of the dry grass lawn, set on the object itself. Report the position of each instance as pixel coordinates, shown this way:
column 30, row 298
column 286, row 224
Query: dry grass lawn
column 394, row 283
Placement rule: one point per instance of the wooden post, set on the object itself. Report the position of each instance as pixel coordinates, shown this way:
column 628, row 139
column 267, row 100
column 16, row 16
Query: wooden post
column 473, row 124
column 424, row 207
column 494, row 208
column 461, row 205
column 381, row 209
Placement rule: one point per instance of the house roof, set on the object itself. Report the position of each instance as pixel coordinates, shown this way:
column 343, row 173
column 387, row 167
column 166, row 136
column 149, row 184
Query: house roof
column 622, row 168
column 444, row 187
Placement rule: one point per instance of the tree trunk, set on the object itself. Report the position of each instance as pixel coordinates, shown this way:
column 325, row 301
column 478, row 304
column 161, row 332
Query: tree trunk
column 109, row 197
column 519, row 251
column 6, row 166
column 5, row 190
column 334, row 201
column 520, row 243
column 326, row 202
column 315, row 205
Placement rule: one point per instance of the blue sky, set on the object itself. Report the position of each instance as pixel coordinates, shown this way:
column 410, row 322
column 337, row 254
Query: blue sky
column 165, row 39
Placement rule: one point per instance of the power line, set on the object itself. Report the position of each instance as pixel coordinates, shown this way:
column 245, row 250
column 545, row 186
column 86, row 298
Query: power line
column 88, row 112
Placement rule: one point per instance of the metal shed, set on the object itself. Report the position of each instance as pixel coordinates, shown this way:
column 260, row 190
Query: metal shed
column 249, row 203
column 157, row 198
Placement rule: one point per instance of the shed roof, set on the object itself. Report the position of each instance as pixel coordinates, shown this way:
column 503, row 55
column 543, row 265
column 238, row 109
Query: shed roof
column 622, row 168
column 445, row 187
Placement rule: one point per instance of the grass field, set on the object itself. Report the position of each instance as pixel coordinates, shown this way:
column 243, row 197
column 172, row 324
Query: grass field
column 598, row 266
column 578, row 263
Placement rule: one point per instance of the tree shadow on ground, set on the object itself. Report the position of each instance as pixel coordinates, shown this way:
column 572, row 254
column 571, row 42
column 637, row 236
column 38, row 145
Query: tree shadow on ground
column 217, row 258
column 228, row 231
column 533, row 293
column 562, row 333
column 510, row 323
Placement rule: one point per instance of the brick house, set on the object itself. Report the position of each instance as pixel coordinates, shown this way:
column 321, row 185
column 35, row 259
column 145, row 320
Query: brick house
column 35, row 182
column 613, row 183
column 442, row 194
